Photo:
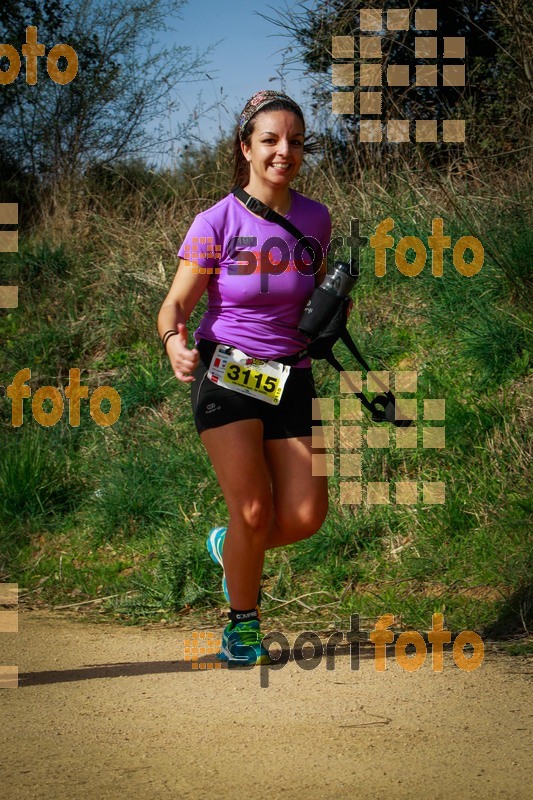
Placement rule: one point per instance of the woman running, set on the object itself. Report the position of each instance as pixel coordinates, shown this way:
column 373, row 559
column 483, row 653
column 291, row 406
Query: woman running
column 251, row 389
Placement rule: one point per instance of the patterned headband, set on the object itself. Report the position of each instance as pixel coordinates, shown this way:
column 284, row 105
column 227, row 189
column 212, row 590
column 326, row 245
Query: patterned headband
column 259, row 101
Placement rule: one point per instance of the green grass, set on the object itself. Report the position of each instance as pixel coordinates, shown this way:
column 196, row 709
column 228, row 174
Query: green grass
column 92, row 512
column 38, row 478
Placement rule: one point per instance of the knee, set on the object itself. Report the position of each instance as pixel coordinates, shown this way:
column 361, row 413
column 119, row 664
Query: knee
column 314, row 518
column 257, row 515
column 303, row 522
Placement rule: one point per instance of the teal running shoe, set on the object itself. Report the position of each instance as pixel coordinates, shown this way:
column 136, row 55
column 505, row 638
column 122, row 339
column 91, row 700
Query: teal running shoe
column 241, row 645
column 215, row 544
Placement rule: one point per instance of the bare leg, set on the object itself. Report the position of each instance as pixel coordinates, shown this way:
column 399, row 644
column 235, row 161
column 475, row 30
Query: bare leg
column 237, row 454
column 272, row 497
column 300, row 499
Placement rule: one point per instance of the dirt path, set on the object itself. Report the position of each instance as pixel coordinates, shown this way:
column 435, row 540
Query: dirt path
column 105, row 712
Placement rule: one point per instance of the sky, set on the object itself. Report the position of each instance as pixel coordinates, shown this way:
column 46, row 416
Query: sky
column 248, row 57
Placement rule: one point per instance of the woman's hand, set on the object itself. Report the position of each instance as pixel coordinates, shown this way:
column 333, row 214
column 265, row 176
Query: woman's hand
column 183, row 360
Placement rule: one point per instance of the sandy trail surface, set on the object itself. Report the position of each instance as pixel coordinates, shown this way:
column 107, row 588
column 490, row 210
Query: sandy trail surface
column 105, row 712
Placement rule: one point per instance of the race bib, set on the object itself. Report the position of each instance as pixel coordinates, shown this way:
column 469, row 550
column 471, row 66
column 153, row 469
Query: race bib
column 233, row 369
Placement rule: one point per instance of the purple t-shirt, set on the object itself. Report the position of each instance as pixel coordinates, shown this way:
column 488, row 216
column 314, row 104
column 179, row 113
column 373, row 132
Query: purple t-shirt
column 247, row 307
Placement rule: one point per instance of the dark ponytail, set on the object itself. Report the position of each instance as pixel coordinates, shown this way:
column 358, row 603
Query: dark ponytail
column 241, row 167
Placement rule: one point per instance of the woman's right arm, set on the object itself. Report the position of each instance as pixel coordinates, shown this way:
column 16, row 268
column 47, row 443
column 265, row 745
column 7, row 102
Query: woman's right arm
column 186, row 290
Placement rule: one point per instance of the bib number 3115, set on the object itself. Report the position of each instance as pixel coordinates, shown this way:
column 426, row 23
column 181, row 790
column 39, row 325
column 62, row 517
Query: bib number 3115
column 235, row 370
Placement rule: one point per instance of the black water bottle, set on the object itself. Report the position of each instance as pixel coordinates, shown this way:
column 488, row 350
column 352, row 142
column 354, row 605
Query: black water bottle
column 327, row 298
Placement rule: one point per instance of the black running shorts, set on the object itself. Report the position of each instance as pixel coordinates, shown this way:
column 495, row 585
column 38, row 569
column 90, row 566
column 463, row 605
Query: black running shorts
column 214, row 405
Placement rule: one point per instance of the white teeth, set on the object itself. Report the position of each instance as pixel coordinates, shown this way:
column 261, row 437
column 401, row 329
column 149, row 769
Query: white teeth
column 281, row 166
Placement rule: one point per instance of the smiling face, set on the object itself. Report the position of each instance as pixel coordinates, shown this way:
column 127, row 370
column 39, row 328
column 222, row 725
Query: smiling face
column 275, row 151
